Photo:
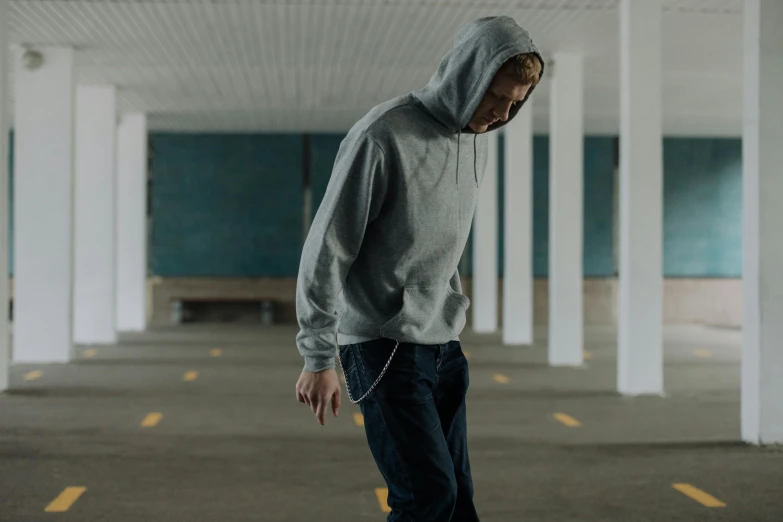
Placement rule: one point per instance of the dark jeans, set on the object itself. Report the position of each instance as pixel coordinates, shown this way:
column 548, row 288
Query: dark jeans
column 416, row 427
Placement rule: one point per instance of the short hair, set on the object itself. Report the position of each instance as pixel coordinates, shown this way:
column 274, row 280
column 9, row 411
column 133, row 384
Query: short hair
column 524, row 68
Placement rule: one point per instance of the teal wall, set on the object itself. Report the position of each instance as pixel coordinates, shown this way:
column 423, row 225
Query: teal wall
column 231, row 204
column 702, row 225
column 226, row 205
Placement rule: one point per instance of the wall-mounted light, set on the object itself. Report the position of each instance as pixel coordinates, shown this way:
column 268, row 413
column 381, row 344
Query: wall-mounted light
column 32, row 59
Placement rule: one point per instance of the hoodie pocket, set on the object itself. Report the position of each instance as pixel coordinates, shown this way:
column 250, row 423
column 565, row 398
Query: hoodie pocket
column 429, row 315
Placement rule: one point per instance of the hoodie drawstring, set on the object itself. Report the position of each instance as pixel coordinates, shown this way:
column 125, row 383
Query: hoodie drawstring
column 475, row 171
column 475, row 174
column 459, row 139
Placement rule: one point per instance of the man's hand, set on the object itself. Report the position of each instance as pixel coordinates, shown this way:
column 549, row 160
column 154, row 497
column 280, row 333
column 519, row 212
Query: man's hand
column 319, row 390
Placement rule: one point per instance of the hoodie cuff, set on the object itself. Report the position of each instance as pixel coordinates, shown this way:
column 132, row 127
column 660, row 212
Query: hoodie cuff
column 318, row 364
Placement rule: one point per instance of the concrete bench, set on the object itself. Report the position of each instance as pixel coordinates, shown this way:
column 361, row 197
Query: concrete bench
column 179, row 311
column 169, row 298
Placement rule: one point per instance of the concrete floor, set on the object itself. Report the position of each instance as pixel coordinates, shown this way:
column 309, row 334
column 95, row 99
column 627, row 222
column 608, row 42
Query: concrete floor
column 234, row 445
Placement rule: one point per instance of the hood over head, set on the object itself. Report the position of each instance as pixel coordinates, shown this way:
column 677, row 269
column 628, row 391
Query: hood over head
column 481, row 47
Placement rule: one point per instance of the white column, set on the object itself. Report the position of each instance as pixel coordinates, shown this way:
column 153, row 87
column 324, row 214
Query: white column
column 94, row 202
column 131, row 223
column 566, row 144
column 640, row 354
column 43, row 205
column 5, row 350
column 762, row 178
column 485, row 247
column 518, row 230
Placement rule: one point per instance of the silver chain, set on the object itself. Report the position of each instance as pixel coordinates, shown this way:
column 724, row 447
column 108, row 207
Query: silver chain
column 348, row 387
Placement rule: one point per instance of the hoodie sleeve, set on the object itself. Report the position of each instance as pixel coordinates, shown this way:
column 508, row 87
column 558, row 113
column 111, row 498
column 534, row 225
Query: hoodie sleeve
column 353, row 198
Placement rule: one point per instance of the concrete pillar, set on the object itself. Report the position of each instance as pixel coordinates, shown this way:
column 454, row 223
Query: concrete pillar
column 518, row 230
column 43, row 205
column 566, row 144
column 640, row 355
column 762, row 179
column 5, row 347
column 131, row 309
column 94, row 212
column 485, row 247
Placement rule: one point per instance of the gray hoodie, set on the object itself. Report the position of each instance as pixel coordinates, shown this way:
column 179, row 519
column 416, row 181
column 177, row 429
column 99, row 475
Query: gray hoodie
column 382, row 253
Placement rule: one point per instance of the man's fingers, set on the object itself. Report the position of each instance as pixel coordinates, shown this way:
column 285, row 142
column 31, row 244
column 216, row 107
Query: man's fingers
column 320, row 413
column 336, row 402
column 321, row 392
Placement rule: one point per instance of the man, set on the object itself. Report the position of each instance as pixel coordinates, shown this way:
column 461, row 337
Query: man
column 379, row 268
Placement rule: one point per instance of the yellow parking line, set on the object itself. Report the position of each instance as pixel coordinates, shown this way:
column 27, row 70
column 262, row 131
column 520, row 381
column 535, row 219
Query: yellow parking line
column 567, row 420
column 383, row 495
column 33, row 375
column 499, row 377
column 588, row 355
column 216, row 352
column 90, row 352
column 704, row 354
column 342, row 377
column 467, row 355
column 65, row 500
column 151, row 420
column 698, row 495
column 358, row 419
column 190, row 376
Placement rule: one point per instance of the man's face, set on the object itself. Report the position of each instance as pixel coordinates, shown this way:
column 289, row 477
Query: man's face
column 503, row 93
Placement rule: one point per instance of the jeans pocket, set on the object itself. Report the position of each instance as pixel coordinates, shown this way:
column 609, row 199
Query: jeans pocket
column 349, row 363
column 407, row 374
column 347, row 358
